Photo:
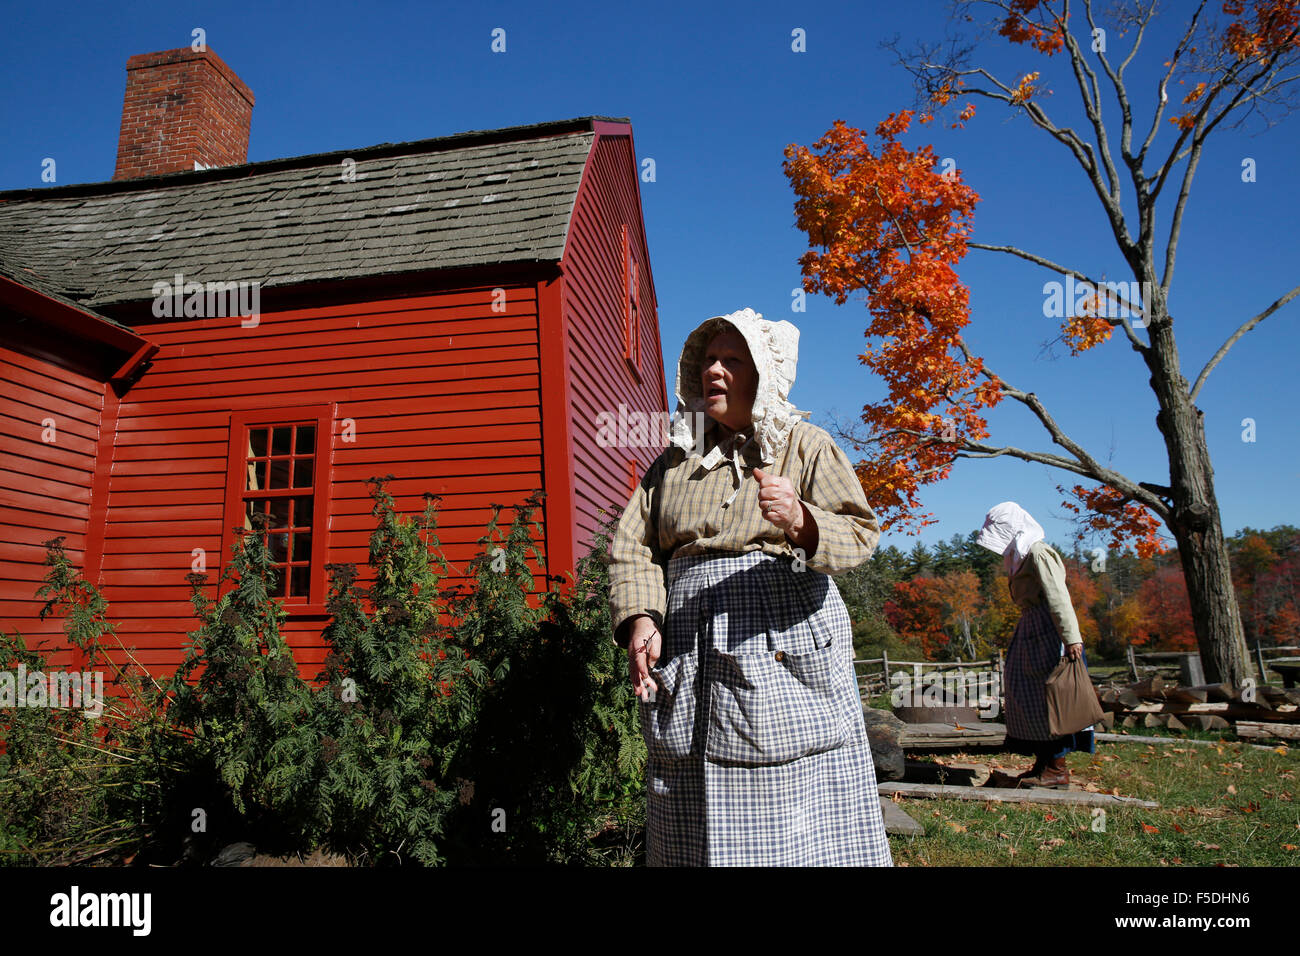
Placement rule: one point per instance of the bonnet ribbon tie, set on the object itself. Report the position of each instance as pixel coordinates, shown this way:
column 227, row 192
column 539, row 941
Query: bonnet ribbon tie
column 716, row 456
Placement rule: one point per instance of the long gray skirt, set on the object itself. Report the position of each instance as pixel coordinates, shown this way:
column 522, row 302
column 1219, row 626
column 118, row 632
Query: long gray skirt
column 758, row 753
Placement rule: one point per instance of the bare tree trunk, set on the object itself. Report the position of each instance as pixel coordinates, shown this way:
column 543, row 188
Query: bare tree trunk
column 1195, row 521
column 1215, row 614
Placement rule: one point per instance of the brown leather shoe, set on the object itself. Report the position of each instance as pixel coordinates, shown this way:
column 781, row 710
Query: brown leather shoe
column 1007, row 781
column 1054, row 776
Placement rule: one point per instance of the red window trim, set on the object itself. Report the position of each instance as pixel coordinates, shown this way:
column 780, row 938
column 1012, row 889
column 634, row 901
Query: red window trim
column 631, row 307
column 322, row 481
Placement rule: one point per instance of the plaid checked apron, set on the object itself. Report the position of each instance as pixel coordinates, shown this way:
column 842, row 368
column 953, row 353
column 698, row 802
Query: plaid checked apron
column 758, row 753
column 1035, row 649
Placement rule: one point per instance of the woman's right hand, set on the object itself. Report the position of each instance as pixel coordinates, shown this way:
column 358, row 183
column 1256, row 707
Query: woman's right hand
column 643, row 651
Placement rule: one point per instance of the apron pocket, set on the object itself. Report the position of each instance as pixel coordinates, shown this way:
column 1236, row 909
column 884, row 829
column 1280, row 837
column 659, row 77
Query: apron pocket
column 767, row 711
column 668, row 723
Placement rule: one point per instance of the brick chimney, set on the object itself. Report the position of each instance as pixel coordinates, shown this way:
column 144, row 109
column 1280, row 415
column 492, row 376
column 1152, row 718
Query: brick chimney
column 182, row 107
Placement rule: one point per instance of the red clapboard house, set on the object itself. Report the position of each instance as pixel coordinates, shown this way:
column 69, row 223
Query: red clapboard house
column 455, row 312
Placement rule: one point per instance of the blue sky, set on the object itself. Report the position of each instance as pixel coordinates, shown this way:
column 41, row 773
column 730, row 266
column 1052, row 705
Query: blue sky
column 715, row 93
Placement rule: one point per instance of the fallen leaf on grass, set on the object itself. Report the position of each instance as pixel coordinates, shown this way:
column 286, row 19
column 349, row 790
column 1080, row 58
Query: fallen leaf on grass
column 1003, row 836
column 1149, row 828
column 956, row 827
column 1048, row 817
column 1048, row 844
column 1177, row 828
column 1290, row 846
column 1231, row 788
column 1208, row 846
column 1250, row 807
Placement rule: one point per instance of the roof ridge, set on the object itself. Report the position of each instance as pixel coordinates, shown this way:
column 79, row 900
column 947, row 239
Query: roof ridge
column 506, row 134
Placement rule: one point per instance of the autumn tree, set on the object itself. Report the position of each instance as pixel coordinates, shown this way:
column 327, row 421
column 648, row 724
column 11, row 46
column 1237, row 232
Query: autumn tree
column 1266, row 570
column 958, row 593
column 915, row 612
column 1166, row 612
column 1084, row 596
column 998, row 622
column 889, row 221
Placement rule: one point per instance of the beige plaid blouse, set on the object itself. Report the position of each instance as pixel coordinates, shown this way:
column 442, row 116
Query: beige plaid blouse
column 1041, row 578
column 681, row 509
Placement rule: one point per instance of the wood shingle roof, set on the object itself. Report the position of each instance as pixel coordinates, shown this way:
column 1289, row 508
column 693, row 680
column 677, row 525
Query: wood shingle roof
column 493, row 196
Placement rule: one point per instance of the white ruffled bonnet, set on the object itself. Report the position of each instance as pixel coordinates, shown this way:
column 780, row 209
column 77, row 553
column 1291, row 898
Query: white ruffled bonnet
column 1010, row 531
column 774, row 347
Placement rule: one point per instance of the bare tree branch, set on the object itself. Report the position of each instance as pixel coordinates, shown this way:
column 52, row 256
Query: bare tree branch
column 1090, row 94
column 1183, row 44
column 1232, row 339
column 1124, row 303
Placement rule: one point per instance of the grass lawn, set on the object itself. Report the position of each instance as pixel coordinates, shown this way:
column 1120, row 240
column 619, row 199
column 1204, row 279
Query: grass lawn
column 1225, row 805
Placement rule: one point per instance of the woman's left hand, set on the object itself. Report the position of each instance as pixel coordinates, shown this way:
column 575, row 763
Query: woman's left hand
column 1074, row 651
column 778, row 502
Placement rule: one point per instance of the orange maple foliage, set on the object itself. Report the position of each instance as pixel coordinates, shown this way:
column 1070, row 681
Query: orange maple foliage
column 1046, row 34
column 885, row 221
column 1260, row 30
column 1268, row 27
column 1108, row 511
column 892, row 224
column 1025, row 89
column 1082, row 332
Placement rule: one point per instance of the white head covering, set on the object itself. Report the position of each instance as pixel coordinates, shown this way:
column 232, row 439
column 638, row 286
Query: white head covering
column 1010, row 531
column 774, row 347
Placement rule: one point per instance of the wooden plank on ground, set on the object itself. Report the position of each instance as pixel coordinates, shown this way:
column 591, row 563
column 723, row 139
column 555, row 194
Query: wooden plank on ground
column 1176, row 741
column 898, row 821
column 938, row 736
column 1246, row 728
column 1076, row 798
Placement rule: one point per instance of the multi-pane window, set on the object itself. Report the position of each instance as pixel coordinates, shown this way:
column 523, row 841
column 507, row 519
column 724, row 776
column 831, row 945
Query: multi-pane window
column 279, row 462
column 279, row 469
column 631, row 305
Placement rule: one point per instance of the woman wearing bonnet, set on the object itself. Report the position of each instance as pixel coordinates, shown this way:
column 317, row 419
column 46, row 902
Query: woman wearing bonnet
column 1046, row 632
column 738, row 643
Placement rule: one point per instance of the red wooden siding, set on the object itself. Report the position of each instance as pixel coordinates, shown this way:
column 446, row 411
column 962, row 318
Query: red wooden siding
column 600, row 377
column 442, row 392
column 45, row 488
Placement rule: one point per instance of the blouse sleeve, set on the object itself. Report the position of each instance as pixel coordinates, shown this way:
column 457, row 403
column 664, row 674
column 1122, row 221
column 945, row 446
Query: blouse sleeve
column 847, row 529
column 1051, row 573
column 636, row 568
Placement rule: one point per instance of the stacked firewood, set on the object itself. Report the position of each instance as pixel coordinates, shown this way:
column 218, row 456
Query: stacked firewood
column 1156, row 701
